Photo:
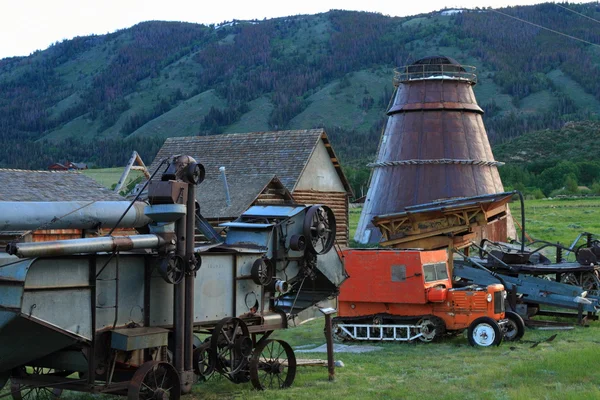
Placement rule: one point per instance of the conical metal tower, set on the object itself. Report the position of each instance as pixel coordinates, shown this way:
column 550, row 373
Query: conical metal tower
column 434, row 146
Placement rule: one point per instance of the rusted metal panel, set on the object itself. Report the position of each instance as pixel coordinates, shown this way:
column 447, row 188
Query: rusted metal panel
column 434, row 147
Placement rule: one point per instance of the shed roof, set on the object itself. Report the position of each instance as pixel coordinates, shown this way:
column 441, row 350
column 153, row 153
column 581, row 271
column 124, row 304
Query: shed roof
column 281, row 153
column 243, row 191
column 25, row 185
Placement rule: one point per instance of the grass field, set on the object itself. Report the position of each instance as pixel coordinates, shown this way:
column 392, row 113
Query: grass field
column 450, row 369
column 560, row 220
column 108, row 177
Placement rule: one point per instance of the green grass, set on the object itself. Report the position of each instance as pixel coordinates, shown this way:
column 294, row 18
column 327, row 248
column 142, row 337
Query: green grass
column 449, row 369
column 560, row 220
column 108, row 177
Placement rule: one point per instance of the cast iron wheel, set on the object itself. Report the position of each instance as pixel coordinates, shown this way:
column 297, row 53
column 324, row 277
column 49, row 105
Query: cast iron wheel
column 230, row 347
column 273, row 365
column 484, row 332
column 262, row 271
column 203, row 362
column 154, row 380
column 319, row 229
column 172, row 269
column 585, row 280
column 430, row 328
column 515, row 328
column 26, row 392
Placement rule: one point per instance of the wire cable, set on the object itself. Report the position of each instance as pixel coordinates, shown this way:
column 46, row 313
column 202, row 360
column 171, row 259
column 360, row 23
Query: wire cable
column 543, row 27
column 576, row 12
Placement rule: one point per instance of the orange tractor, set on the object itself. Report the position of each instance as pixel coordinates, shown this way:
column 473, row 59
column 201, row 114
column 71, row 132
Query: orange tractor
column 407, row 295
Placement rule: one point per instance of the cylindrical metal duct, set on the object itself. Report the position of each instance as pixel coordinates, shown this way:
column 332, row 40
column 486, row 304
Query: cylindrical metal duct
column 87, row 245
column 434, row 145
column 20, row 216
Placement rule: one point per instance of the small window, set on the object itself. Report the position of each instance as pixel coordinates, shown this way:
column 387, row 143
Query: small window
column 435, row 272
column 441, row 271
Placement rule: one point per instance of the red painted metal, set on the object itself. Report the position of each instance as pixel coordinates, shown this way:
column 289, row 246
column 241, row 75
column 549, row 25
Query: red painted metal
column 373, row 288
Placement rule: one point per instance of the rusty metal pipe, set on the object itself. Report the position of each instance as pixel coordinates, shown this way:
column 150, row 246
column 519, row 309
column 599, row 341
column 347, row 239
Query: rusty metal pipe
column 179, row 304
column 19, row 216
column 87, row 245
column 190, row 231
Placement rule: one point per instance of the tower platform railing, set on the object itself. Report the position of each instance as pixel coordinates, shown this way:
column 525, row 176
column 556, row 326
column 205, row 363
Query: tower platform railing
column 414, row 72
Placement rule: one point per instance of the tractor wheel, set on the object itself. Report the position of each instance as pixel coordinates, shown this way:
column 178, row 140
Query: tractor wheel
column 515, row 328
column 484, row 332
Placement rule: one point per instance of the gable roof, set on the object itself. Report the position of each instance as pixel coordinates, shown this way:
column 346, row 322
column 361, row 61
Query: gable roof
column 243, row 191
column 24, row 185
column 281, row 153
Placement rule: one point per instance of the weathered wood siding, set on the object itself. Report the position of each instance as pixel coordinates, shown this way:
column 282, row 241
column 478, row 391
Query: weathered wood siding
column 337, row 201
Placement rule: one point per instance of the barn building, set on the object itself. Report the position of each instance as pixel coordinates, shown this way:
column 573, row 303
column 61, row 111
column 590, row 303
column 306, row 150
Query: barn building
column 25, row 185
column 302, row 160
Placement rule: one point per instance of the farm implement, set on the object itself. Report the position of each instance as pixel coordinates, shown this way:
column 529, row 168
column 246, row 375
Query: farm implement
column 427, row 284
column 120, row 314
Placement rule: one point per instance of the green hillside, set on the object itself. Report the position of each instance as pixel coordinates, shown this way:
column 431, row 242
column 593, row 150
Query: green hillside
column 97, row 98
column 553, row 161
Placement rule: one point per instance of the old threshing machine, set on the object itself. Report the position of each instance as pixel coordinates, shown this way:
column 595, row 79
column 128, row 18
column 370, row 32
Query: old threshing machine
column 121, row 315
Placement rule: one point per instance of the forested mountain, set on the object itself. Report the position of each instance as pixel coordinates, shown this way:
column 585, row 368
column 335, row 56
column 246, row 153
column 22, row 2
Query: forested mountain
column 97, row 98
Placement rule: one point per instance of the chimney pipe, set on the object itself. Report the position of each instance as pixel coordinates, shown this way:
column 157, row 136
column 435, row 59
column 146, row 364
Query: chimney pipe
column 224, row 177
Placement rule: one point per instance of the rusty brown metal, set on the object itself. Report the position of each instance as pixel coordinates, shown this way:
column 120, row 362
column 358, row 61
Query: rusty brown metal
column 434, row 146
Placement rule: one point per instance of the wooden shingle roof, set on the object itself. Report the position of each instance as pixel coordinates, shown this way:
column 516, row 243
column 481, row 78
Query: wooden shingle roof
column 24, row 185
column 243, row 191
column 281, row 153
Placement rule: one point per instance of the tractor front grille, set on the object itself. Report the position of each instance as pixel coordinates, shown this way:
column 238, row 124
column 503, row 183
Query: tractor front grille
column 499, row 302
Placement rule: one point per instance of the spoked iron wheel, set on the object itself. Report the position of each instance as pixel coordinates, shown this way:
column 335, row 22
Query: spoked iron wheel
column 586, row 280
column 319, row 229
column 32, row 392
column 172, row 269
column 273, row 365
column 155, row 380
column 230, row 347
column 203, row 362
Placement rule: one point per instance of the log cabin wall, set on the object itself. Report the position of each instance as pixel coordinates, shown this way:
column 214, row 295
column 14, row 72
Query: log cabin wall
column 337, row 201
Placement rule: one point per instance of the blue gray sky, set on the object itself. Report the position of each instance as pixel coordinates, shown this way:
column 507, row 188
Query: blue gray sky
column 30, row 25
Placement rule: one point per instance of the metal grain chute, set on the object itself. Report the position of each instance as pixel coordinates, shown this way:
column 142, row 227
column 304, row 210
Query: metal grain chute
column 122, row 310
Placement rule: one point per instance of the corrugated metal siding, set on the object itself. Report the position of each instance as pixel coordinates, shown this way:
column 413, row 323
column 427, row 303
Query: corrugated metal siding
column 337, row 201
